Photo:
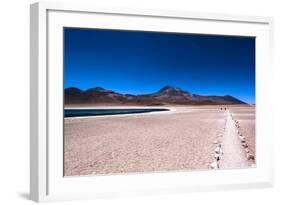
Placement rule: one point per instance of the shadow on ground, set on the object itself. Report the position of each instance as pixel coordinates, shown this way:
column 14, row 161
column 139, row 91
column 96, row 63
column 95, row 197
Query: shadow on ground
column 24, row 195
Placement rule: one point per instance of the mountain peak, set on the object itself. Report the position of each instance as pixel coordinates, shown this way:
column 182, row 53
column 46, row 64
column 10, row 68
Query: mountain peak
column 101, row 89
column 73, row 90
column 98, row 89
column 168, row 89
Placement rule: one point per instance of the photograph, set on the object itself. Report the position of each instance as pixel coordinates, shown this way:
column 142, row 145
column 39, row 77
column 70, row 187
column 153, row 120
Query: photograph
column 153, row 101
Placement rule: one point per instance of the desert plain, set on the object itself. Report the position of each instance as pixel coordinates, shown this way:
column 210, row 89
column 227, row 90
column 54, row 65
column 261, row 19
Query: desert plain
column 185, row 138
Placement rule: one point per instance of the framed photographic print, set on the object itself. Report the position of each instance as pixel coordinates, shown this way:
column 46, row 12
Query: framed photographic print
column 130, row 102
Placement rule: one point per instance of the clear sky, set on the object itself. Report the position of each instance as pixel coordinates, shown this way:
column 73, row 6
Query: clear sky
column 137, row 62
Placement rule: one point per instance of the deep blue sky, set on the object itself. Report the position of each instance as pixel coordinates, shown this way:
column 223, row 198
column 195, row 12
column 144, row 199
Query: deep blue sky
column 137, row 62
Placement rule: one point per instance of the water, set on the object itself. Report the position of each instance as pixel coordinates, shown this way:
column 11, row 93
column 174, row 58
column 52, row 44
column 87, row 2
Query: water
column 97, row 112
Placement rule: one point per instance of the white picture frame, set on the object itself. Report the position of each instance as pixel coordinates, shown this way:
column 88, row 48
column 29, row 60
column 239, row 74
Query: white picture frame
column 46, row 178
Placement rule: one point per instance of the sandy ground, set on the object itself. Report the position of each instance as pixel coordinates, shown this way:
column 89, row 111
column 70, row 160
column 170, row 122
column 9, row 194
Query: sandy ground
column 246, row 118
column 182, row 139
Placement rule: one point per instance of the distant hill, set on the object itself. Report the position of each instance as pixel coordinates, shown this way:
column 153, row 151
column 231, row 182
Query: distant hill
column 165, row 96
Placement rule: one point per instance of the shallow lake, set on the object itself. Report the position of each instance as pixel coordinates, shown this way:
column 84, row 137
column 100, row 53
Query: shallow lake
column 97, row 112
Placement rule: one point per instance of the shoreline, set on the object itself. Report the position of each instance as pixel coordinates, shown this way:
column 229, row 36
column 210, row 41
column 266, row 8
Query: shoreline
column 172, row 109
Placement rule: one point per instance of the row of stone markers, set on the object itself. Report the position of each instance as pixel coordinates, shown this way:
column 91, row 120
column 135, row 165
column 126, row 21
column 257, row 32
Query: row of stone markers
column 244, row 143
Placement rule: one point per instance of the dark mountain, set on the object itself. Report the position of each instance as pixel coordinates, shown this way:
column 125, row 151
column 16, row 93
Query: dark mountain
column 73, row 95
column 170, row 92
column 166, row 95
